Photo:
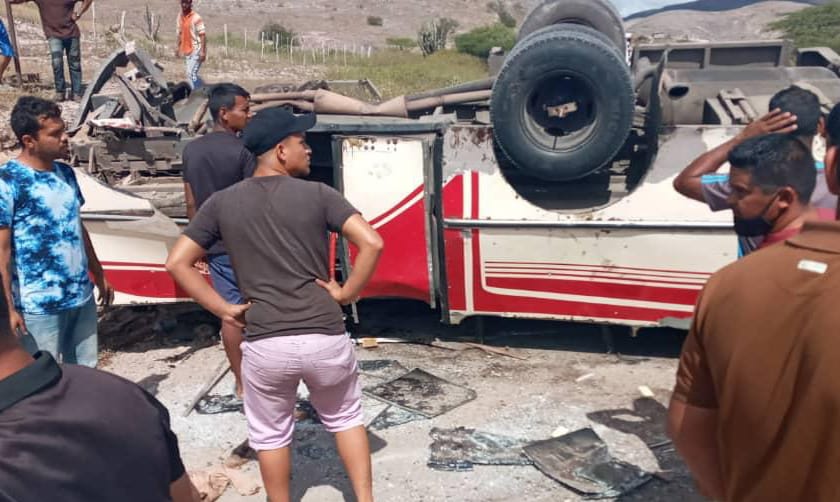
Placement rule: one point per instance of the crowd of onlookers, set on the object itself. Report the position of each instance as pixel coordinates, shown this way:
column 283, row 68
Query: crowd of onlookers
column 757, row 399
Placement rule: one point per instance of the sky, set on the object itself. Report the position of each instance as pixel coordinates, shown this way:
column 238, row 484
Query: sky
column 627, row 7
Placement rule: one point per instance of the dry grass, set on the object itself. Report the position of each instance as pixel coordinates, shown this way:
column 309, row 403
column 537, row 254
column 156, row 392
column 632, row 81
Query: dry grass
column 397, row 72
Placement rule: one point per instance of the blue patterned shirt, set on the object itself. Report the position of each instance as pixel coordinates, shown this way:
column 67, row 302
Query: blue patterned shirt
column 43, row 210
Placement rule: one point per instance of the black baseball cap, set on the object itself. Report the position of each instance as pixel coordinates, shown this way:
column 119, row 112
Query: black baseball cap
column 271, row 126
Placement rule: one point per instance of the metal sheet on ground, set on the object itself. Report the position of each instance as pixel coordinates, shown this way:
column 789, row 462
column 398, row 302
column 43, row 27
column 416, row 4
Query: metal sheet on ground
column 460, row 448
column 421, row 392
column 581, row 461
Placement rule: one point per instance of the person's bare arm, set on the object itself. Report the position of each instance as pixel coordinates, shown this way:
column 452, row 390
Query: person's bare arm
column 363, row 236
column 189, row 198
column 694, row 432
column 6, row 264
column 690, row 181
column 106, row 291
column 85, row 6
column 202, row 56
column 184, row 253
column 183, row 490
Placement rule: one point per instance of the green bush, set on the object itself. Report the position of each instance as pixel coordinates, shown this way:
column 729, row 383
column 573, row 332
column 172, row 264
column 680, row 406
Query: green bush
column 374, row 21
column 812, row 26
column 479, row 41
column 401, row 43
column 272, row 30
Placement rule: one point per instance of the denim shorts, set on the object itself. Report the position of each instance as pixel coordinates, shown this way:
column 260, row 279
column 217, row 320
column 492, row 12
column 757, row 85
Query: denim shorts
column 70, row 335
column 224, row 280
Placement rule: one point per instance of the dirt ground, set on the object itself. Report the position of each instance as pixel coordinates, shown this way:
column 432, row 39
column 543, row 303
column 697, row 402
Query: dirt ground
column 567, row 382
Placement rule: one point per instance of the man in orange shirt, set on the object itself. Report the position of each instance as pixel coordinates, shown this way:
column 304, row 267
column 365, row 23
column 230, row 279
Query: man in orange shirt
column 192, row 42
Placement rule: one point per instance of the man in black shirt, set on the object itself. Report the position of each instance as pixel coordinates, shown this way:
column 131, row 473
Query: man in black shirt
column 76, row 434
column 276, row 228
column 214, row 162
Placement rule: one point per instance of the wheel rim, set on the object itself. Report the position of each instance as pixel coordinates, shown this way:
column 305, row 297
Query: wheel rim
column 561, row 111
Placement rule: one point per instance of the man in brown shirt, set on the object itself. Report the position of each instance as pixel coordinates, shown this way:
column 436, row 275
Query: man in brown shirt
column 756, row 406
column 275, row 228
column 58, row 17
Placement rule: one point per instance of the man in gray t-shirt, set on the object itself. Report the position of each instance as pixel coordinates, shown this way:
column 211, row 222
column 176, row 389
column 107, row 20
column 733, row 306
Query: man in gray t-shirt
column 793, row 111
column 275, row 227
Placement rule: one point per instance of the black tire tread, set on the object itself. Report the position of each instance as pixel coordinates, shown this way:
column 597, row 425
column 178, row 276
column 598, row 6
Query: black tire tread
column 548, row 13
column 580, row 35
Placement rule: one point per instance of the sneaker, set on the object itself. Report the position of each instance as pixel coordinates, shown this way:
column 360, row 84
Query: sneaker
column 76, row 99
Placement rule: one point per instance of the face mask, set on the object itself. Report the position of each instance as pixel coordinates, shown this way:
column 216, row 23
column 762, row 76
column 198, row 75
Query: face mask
column 758, row 226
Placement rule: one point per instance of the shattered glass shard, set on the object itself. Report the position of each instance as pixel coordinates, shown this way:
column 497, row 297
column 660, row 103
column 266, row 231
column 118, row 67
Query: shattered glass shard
column 392, row 416
column 460, row 448
column 581, row 461
column 213, row 404
column 421, row 392
column 382, row 368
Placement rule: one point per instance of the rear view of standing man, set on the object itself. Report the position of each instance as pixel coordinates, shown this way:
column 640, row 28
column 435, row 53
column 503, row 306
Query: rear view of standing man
column 58, row 18
column 275, row 227
column 192, row 42
column 214, row 162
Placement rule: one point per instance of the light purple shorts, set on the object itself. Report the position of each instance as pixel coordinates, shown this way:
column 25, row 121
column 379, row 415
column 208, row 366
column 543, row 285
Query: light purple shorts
column 271, row 371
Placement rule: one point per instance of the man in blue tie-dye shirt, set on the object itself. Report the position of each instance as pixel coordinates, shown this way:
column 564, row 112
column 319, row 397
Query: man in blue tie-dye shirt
column 45, row 252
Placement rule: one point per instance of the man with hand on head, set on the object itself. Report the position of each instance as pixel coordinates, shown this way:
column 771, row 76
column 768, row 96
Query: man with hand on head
column 275, row 227
column 753, row 409
column 793, row 111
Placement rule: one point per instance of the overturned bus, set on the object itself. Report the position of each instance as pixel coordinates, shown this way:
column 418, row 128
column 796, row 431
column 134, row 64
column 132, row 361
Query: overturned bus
column 544, row 192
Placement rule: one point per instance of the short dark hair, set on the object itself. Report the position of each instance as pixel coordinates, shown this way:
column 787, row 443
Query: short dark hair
column 802, row 103
column 28, row 112
column 775, row 161
column 832, row 126
column 224, row 96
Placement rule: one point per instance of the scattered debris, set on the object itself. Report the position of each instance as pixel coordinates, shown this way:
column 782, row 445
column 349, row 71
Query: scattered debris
column 205, row 336
column 493, row 350
column 368, row 343
column 460, row 448
column 382, row 368
column 421, row 392
column 213, row 482
column 660, row 444
column 243, row 482
column 645, row 391
column 150, row 383
column 305, row 412
column 581, row 461
column 585, row 377
column 240, row 455
column 210, row 484
column 460, row 346
column 220, row 372
column 393, row 416
column 213, row 404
